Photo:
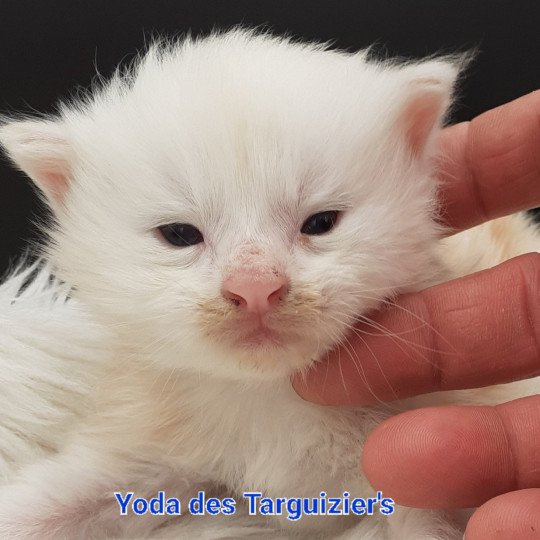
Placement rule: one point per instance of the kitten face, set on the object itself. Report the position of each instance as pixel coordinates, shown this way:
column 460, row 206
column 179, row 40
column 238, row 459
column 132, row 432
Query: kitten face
column 243, row 138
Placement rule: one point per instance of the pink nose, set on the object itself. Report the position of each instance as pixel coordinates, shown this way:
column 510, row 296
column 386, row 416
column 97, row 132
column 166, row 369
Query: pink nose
column 253, row 295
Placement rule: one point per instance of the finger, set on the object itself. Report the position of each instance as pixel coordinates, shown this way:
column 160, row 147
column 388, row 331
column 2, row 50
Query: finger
column 476, row 331
column 455, row 457
column 515, row 515
column 490, row 166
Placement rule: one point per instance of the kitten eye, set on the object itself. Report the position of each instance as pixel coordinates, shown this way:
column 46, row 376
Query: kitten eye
column 320, row 223
column 181, row 234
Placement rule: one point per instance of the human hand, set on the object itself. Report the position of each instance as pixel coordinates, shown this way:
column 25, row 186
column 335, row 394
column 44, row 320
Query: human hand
column 482, row 329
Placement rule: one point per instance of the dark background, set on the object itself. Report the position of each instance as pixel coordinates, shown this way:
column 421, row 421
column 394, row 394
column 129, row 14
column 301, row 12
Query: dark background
column 48, row 47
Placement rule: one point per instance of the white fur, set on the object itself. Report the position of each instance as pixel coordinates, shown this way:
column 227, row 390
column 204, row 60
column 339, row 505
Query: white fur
column 49, row 352
column 244, row 136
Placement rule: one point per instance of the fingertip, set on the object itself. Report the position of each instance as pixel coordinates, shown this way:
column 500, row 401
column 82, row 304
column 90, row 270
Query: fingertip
column 334, row 381
column 514, row 515
column 439, row 457
column 409, row 456
column 307, row 389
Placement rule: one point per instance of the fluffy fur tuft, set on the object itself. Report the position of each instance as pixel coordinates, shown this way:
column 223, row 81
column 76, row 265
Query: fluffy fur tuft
column 49, row 354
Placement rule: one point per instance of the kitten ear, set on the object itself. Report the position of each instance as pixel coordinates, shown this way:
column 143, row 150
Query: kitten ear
column 428, row 88
column 41, row 150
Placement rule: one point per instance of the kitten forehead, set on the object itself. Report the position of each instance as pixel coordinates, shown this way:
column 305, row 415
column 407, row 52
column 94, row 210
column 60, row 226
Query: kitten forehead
column 236, row 108
column 237, row 68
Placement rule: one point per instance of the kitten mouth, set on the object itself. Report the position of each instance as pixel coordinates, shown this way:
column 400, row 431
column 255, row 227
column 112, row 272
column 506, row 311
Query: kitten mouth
column 259, row 337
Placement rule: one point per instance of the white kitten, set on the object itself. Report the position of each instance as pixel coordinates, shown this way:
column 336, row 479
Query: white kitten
column 227, row 207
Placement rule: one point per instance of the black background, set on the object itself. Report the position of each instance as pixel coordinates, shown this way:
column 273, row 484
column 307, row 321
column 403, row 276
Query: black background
column 48, row 47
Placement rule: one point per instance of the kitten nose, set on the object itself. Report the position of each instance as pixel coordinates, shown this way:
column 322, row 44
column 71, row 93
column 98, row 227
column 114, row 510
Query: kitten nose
column 253, row 295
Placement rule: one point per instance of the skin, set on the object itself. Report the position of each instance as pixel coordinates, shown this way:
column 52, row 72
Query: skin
column 443, row 457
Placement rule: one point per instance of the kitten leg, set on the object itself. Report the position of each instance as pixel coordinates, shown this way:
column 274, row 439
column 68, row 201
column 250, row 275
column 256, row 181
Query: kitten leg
column 232, row 527
column 72, row 496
